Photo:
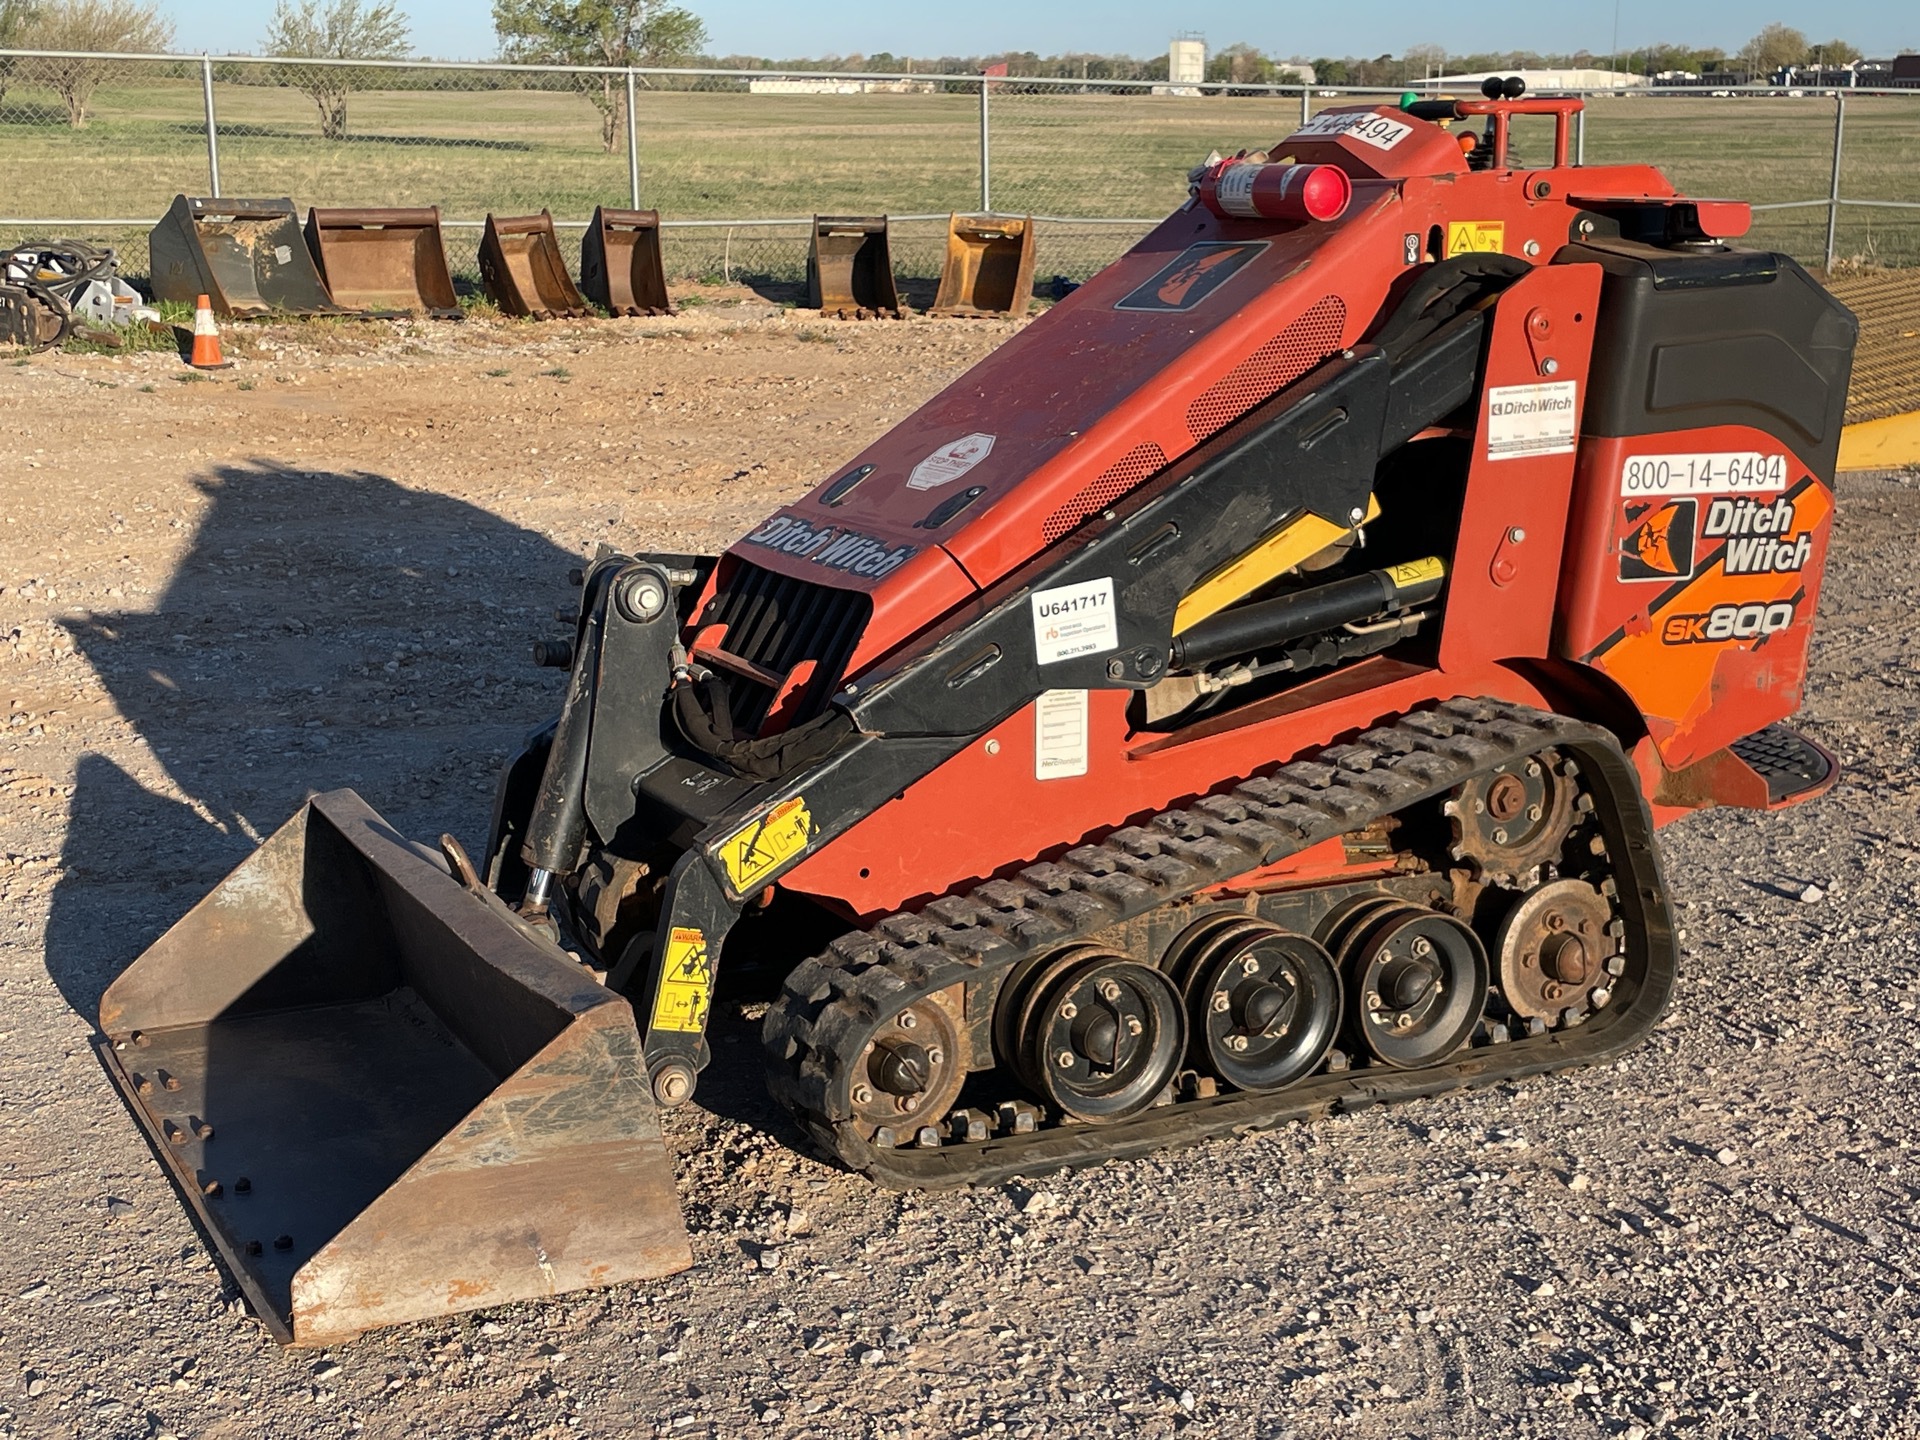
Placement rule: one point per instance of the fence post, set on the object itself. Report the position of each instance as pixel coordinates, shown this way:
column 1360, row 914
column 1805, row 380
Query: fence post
column 1305, row 105
column 1833, row 192
column 213, row 133
column 1580, row 132
column 633, row 148
column 986, row 152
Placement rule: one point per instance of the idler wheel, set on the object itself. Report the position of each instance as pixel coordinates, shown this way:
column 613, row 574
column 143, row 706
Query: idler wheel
column 911, row 1072
column 1418, row 981
column 1103, row 1035
column 1555, row 955
column 1263, row 1005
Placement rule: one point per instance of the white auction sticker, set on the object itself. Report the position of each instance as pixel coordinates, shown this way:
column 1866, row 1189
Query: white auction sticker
column 1706, row 472
column 1060, row 734
column 950, row 462
column 1074, row 620
column 1525, row 420
column 1382, row 132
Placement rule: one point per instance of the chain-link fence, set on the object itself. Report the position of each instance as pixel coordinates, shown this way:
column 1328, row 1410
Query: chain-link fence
column 736, row 161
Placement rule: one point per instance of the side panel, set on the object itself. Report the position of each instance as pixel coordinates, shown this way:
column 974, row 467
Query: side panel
column 1506, row 567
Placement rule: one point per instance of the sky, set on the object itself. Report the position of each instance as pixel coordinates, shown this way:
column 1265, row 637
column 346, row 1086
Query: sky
column 463, row 29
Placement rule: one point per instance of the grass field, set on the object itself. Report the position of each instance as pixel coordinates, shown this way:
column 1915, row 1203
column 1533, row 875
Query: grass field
column 726, row 155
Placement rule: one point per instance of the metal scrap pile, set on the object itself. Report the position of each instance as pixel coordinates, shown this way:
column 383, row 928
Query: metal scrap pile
column 48, row 287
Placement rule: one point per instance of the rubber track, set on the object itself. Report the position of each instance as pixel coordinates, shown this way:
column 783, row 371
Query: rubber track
column 831, row 1005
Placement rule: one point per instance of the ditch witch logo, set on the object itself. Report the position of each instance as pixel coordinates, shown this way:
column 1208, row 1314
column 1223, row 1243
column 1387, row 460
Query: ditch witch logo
column 1758, row 537
column 845, row 550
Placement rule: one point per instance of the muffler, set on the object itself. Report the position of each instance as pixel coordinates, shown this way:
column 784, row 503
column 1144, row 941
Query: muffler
column 384, row 1097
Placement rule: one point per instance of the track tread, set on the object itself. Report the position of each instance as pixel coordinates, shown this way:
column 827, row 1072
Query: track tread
column 816, row 1029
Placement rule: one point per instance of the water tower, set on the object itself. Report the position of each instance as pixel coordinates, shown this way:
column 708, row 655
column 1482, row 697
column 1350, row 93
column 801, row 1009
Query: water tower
column 1187, row 60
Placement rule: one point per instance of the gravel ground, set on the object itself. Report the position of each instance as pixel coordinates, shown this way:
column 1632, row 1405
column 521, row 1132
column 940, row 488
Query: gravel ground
column 323, row 569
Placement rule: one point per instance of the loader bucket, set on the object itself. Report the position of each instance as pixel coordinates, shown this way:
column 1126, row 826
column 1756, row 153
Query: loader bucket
column 247, row 256
column 389, row 260
column 988, row 270
column 621, row 267
column 850, row 268
column 521, row 268
column 383, row 1098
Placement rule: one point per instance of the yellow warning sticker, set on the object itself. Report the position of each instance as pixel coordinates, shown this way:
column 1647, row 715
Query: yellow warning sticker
column 752, row 854
column 1415, row 572
column 1476, row 237
column 686, row 983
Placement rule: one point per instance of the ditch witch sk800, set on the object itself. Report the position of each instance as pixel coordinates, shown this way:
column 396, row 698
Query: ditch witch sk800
column 1250, row 692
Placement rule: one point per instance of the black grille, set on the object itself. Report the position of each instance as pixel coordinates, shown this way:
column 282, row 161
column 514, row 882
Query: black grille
column 776, row 622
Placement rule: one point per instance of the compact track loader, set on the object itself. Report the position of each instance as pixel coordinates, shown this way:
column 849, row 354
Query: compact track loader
column 1250, row 692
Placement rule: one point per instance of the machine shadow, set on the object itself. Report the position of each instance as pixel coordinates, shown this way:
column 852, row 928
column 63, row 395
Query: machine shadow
column 321, row 630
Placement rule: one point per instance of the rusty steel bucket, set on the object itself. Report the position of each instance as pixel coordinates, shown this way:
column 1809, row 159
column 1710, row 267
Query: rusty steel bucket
column 386, row 1100
column 246, row 256
column 988, row 271
column 850, row 268
column 522, row 271
column 384, row 260
column 621, row 267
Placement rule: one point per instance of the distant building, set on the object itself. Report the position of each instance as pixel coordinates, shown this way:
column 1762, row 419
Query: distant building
column 1187, row 61
column 808, row 85
column 1904, row 71
column 1545, row 80
column 1300, row 68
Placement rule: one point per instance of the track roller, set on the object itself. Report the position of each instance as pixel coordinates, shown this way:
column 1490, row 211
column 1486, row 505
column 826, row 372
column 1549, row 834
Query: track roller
column 1263, row 1006
column 1096, row 1035
column 911, row 1072
column 1418, row 981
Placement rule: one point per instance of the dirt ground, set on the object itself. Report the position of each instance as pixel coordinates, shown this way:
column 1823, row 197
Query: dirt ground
column 324, row 567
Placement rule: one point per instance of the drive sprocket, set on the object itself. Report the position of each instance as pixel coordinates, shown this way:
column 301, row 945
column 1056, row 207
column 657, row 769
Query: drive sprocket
column 1509, row 821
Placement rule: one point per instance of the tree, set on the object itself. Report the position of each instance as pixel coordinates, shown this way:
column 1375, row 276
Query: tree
column 1774, row 48
column 14, row 15
column 615, row 33
column 1834, row 53
column 101, row 26
column 335, row 30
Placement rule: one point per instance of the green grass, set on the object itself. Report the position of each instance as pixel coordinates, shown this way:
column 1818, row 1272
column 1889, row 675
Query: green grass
column 727, row 155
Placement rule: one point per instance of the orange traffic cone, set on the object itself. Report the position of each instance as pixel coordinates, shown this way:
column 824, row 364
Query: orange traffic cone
column 206, row 338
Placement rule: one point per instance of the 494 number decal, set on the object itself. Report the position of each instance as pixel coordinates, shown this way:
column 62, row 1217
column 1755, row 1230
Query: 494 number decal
column 1727, row 622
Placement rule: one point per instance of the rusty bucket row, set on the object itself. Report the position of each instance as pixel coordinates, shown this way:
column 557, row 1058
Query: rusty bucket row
column 987, row 271
column 252, row 258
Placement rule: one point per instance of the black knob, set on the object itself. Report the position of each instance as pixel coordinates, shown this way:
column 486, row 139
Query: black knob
column 554, row 654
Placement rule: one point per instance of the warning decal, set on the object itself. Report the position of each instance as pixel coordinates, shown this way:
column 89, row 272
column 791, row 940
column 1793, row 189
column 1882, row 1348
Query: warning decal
column 686, row 983
column 950, row 462
column 1060, row 734
column 1525, row 420
column 752, row 854
column 1476, row 237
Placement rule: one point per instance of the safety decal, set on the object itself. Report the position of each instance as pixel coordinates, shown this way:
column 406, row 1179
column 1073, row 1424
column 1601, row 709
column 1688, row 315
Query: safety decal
column 754, row 852
column 1476, row 237
column 1194, row 274
column 686, row 983
column 1060, row 734
column 833, row 546
column 1382, row 132
column 1074, row 620
column 1410, row 249
column 1661, row 545
column 1716, row 472
column 1527, row 420
column 950, row 462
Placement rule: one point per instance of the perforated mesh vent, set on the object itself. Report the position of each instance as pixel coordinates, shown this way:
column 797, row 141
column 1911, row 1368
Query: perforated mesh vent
column 1118, row 478
column 1279, row 362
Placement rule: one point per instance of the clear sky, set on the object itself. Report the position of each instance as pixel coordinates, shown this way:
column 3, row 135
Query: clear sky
column 463, row 29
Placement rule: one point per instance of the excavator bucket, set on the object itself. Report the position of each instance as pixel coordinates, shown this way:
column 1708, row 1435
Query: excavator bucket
column 383, row 1097
column 246, row 255
column 521, row 268
column 391, row 260
column 850, row 268
column 621, row 267
column 988, row 271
